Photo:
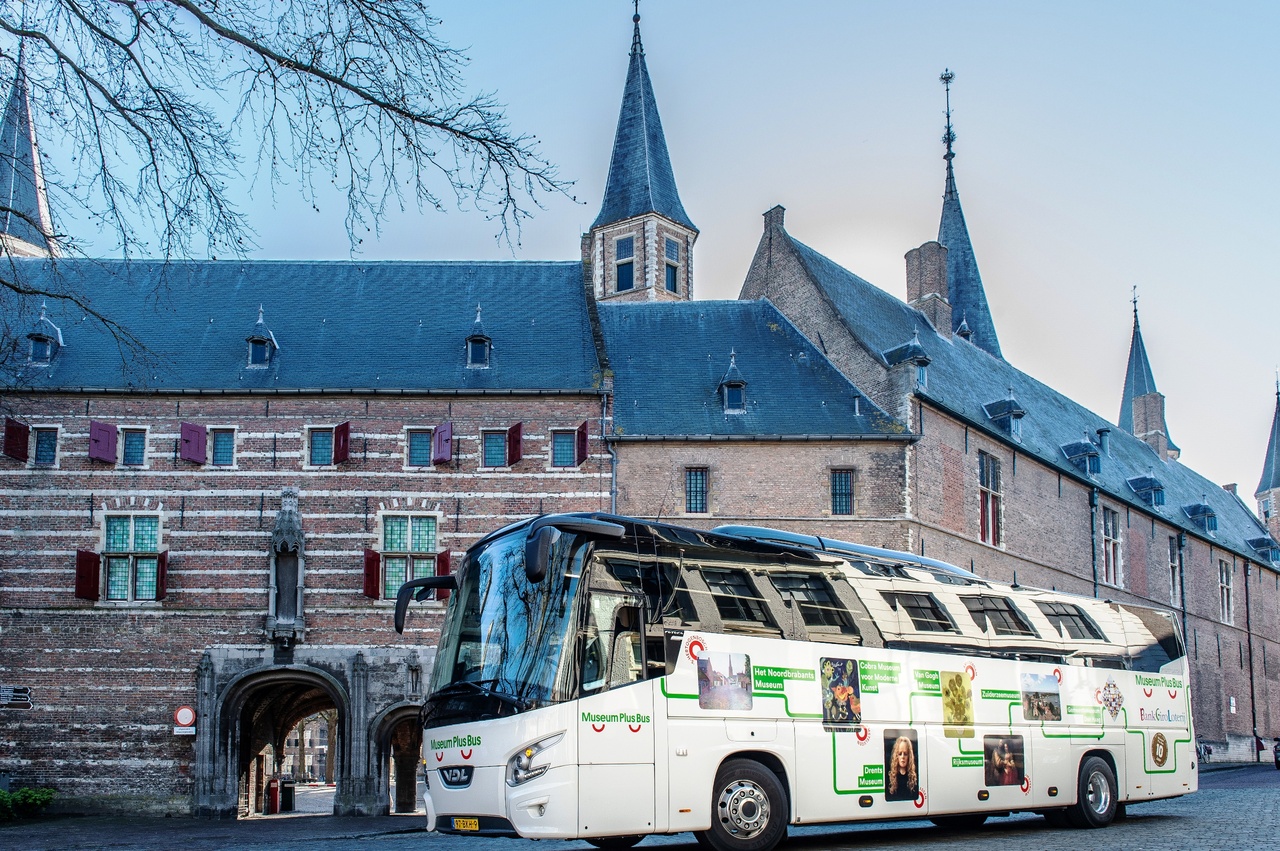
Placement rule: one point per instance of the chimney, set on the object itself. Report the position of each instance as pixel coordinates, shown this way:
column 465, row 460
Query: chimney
column 1104, row 442
column 773, row 217
column 1231, row 489
column 927, row 285
column 1149, row 425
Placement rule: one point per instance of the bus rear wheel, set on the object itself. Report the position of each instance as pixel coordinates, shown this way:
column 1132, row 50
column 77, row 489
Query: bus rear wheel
column 1097, row 797
column 749, row 810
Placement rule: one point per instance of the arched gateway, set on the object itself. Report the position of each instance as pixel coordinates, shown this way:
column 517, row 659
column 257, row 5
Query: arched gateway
column 250, row 699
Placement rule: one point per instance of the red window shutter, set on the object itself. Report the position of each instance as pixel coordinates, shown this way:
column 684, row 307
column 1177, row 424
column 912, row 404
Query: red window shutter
column 442, row 569
column 102, row 442
column 515, row 444
column 87, row 574
column 162, row 575
column 372, row 574
column 16, row 436
column 580, row 444
column 341, row 442
column 442, row 444
column 194, row 441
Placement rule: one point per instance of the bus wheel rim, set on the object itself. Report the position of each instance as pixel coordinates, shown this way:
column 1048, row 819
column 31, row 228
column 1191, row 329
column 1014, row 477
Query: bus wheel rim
column 743, row 809
column 1099, row 793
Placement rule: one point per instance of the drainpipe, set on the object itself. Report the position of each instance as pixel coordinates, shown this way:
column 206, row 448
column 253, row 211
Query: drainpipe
column 1253, row 699
column 1182, row 583
column 1093, row 536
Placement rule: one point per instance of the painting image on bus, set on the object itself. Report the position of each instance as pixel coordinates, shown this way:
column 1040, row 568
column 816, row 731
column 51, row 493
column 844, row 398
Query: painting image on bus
column 841, row 695
column 957, row 705
column 1004, row 760
column 1040, row 698
column 901, row 765
column 724, row 681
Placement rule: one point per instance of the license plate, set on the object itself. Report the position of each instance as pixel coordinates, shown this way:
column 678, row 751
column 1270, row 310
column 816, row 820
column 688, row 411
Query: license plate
column 466, row 824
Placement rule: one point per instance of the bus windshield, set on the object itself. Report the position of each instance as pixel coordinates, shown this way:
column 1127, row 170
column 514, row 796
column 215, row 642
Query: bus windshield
column 503, row 637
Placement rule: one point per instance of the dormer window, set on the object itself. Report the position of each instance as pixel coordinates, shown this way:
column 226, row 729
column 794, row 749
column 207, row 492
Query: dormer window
column 1203, row 515
column 259, row 352
column 733, row 388
column 911, row 352
column 1085, row 456
column 922, row 374
column 1149, row 489
column 41, row 349
column 262, row 343
column 1006, row 414
column 624, row 252
column 479, row 345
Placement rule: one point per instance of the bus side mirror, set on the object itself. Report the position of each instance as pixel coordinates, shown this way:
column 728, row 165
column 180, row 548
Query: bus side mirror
column 537, row 552
column 421, row 586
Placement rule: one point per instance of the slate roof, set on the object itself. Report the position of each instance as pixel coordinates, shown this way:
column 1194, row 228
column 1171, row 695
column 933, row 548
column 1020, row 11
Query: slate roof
column 670, row 358
column 640, row 176
column 20, row 187
column 964, row 282
column 1271, row 466
column 339, row 325
column 963, row 378
column 1138, row 380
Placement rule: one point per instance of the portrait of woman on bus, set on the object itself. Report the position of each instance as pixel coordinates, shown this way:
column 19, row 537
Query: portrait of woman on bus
column 901, row 777
column 1004, row 760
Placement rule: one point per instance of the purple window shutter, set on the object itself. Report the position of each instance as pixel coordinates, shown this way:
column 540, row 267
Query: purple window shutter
column 162, row 575
column 515, row 444
column 342, row 442
column 87, row 562
column 102, row 442
column 580, row 444
column 194, row 441
column 372, row 574
column 442, row 569
column 442, row 444
column 16, row 436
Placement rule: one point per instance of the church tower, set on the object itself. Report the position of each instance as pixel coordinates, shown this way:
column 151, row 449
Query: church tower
column 640, row 247
column 26, row 228
column 1268, row 493
column 1142, row 408
column 964, row 283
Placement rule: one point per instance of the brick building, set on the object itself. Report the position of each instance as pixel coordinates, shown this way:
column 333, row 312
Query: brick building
column 219, row 521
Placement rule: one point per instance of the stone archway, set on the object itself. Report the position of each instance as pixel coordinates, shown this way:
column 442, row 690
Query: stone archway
column 398, row 755
column 242, row 745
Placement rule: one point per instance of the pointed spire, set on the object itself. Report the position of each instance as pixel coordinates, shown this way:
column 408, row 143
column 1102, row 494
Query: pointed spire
column 640, row 176
column 25, row 223
column 1271, row 465
column 964, row 282
column 1138, row 378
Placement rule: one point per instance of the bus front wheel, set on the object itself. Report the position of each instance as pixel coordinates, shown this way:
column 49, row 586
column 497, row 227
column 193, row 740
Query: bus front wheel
column 1097, row 797
column 749, row 810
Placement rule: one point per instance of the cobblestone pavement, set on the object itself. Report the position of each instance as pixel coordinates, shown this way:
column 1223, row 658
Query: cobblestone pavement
column 1236, row 808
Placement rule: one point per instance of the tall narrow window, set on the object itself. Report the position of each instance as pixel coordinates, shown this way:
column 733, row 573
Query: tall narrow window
column 695, row 490
column 1175, row 573
column 131, row 552
column 842, row 491
column 624, row 260
column 495, row 449
column 46, row 447
column 673, row 265
column 989, row 500
column 224, row 447
column 1225, row 601
column 135, row 447
column 1111, row 566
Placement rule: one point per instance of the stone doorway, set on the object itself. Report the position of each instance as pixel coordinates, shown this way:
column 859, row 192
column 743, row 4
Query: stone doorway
column 399, row 759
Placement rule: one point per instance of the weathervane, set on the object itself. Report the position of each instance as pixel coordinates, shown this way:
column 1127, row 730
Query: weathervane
column 1135, row 301
column 950, row 136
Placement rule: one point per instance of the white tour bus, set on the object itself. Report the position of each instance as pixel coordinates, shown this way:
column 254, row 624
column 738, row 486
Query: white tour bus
column 604, row 678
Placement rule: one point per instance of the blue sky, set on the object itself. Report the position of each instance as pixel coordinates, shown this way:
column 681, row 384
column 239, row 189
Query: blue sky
column 1101, row 146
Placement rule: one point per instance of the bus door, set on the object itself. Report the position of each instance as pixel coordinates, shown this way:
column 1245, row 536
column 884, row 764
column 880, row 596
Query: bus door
column 615, row 718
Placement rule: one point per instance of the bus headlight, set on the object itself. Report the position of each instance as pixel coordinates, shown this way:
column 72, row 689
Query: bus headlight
column 520, row 768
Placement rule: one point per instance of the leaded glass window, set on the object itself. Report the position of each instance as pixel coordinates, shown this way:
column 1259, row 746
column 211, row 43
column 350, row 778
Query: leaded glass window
column 224, row 447
column 130, row 547
column 563, row 449
column 495, row 449
column 135, row 447
column 695, row 490
column 321, row 450
column 409, row 548
column 420, row 448
column 46, row 446
column 842, row 492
